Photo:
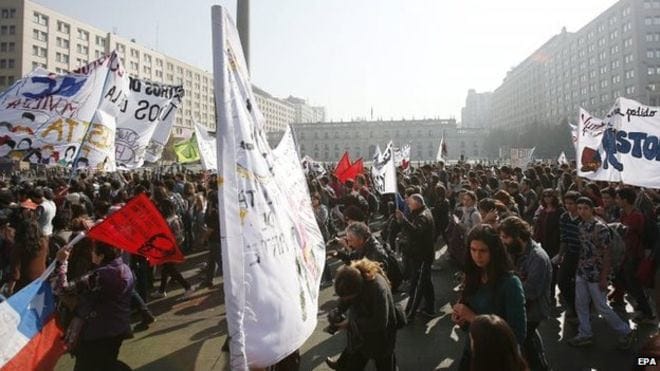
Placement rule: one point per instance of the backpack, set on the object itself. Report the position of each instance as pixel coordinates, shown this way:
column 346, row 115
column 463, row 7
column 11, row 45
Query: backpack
column 617, row 244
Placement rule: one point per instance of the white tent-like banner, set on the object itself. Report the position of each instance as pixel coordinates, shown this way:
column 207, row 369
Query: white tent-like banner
column 208, row 150
column 272, row 248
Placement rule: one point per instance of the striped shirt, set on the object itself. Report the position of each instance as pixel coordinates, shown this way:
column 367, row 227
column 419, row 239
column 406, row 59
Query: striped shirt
column 569, row 232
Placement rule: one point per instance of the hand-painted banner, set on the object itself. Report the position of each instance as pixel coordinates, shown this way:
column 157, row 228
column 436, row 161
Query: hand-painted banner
column 402, row 157
column 208, row 151
column 272, row 249
column 145, row 120
column 312, row 167
column 45, row 118
column 383, row 172
column 139, row 228
column 623, row 147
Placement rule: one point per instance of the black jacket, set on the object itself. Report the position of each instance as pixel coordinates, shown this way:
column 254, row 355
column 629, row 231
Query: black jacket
column 373, row 320
column 371, row 250
column 420, row 229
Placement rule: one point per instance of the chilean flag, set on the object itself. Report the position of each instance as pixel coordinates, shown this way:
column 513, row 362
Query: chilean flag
column 31, row 339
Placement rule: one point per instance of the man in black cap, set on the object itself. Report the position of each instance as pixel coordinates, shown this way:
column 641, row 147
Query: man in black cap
column 420, row 229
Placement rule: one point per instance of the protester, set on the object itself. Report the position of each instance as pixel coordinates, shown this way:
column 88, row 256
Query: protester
column 102, row 315
column 493, row 345
column 532, row 265
column 372, row 320
column 592, row 279
column 420, row 231
column 489, row 286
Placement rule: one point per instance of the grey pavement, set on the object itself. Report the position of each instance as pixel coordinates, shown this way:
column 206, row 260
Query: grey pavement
column 188, row 335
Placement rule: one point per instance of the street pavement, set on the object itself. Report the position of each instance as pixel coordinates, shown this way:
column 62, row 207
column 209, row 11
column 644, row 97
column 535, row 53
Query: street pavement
column 188, row 335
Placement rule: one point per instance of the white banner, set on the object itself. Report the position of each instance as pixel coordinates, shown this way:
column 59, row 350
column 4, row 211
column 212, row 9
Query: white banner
column 383, row 172
column 442, row 149
column 145, row 120
column 562, row 160
column 590, row 152
column 273, row 251
column 208, row 149
column 309, row 166
column 377, row 154
column 521, row 157
column 625, row 147
column 45, row 117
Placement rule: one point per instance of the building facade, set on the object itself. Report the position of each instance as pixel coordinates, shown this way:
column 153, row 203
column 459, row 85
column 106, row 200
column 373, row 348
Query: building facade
column 32, row 36
column 327, row 141
column 616, row 54
column 476, row 113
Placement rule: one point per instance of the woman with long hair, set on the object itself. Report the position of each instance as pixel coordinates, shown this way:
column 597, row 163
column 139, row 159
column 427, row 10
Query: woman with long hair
column 29, row 253
column 505, row 198
column 494, row 346
column 489, row 286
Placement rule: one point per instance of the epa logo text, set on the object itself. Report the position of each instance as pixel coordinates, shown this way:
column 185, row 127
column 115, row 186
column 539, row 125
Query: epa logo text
column 643, row 361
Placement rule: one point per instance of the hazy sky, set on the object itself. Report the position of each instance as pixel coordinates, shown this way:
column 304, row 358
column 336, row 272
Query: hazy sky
column 404, row 58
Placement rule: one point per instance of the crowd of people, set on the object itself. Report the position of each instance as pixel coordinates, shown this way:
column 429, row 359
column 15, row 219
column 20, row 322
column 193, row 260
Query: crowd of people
column 99, row 286
column 525, row 243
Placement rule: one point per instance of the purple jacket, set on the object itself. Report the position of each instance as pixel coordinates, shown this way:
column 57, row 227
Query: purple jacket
column 105, row 299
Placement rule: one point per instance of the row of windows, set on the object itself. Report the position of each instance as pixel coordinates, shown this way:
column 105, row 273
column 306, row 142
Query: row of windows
column 8, row 13
column 652, row 20
column 7, row 80
column 7, row 30
column 7, row 63
column 7, row 47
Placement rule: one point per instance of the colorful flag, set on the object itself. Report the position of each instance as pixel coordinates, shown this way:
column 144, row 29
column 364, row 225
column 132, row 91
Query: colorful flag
column 187, row 151
column 139, row 228
column 31, row 337
column 272, row 249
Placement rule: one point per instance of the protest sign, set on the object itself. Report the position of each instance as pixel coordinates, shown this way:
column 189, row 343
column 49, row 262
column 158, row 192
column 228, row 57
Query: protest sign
column 207, row 148
column 383, row 172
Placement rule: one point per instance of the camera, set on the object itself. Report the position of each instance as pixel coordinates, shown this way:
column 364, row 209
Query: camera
column 335, row 317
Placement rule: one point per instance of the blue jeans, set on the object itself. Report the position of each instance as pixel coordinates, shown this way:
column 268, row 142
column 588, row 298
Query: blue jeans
column 586, row 292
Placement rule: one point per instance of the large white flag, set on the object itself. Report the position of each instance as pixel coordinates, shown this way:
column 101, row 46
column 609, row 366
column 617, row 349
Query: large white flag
column 145, row 121
column 562, row 160
column 57, row 119
column 377, row 154
column 383, row 172
column 208, row 149
column 442, row 149
column 623, row 147
column 272, row 249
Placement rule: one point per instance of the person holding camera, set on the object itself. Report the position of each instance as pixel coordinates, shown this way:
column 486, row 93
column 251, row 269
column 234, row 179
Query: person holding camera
column 372, row 318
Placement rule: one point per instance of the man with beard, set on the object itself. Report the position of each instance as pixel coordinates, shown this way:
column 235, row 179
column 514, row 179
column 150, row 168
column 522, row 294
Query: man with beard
column 533, row 266
column 420, row 230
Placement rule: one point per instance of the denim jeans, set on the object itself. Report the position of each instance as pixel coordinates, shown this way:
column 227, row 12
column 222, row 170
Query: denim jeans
column 586, row 292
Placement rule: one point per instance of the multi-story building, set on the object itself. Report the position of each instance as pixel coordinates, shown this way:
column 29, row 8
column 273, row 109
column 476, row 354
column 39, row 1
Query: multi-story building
column 327, row 141
column 616, row 54
column 476, row 113
column 32, row 35
column 305, row 112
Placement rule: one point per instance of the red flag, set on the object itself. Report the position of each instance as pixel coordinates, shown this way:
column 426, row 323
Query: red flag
column 343, row 165
column 139, row 228
column 352, row 172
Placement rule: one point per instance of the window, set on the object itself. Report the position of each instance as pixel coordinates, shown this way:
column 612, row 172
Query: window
column 628, row 58
column 81, row 62
column 616, row 79
column 147, row 70
column 39, row 35
column 159, row 63
column 603, row 84
column 170, row 66
column 630, row 74
column 650, row 53
column 83, row 35
column 39, row 18
column 135, row 53
column 134, row 66
column 626, row 11
column 100, row 41
column 12, row 31
column 614, row 49
column 37, row 65
column 63, row 27
column 82, row 49
column 627, row 27
column 8, row 13
column 62, row 43
column 62, row 58
column 39, row 52
column 648, row 21
column 98, row 54
column 121, row 48
column 159, row 74
column 630, row 90
column 615, row 64
column 8, row 47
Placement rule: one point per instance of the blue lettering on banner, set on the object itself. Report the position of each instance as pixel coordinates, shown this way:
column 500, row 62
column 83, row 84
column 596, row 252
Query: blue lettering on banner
column 69, row 87
column 639, row 144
